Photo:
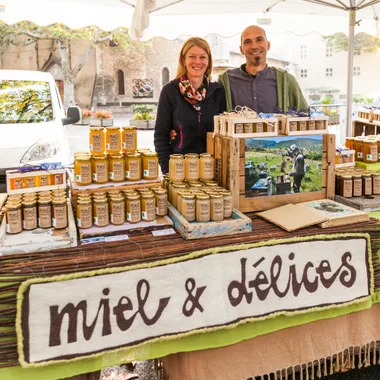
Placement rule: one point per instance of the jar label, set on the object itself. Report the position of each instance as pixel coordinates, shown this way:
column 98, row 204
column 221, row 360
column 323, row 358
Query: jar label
column 44, row 213
column 30, row 218
column 360, row 155
column 117, row 172
column 152, row 168
column 30, row 182
column 227, row 207
column 134, row 171
column 134, row 208
column 113, row 142
column 203, row 210
column 59, row 216
column 101, row 217
column 13, row 222
column 118, row 213
column 148, row 211
column 100, row 174
column 85, row 220
column 129, row 143
column 97, row 142
column 44, row 180
column 192, row 171
column 84, row 175
column 162, row 204
column 188, row 209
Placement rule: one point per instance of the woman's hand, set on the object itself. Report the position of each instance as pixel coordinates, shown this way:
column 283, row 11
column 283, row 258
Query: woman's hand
column 173, row 134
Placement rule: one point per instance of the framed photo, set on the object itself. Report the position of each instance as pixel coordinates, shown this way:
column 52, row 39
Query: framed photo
column 142, row 88
column 268, row 172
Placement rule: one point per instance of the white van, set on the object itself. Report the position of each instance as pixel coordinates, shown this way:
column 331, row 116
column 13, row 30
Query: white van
column 32, row 120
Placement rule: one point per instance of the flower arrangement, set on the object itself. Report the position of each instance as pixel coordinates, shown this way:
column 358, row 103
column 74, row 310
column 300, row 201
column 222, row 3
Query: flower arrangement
column 103, row 114
column 143, row 112
column 86, row 113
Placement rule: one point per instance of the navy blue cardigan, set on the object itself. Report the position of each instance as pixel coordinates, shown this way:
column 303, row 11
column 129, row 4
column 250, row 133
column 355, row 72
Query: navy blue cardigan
column 174, row 112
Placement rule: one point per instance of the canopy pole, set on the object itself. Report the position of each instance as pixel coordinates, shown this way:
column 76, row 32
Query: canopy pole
column 351, row 48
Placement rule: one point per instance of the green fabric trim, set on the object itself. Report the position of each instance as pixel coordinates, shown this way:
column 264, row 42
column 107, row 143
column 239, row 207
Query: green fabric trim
column 206, row 338
column 224, row 80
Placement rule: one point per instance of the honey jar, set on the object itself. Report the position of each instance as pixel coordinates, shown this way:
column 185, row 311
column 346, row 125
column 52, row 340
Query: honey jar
column 29, row 214
column 206, row 167
column 84, row 213
column 30, row 181
column 117, row 208
column 59, row 213
column 292, row 126
column 357, row 185
column 349, row 143
column 133, row 203
column 133, row 167
column 148, row 206
column 302, row 125
column 227, row 203
column 370, row 153
column 259, row 128
column 117, row 168
column 100, row 169
column 150, row 165
column 239, row 128
column 128, row 139
column 101, row 211
column 113, row 140
column 366, row 184
column 161, row 196
column 83, row 170
column 13, row 218
column 45, row 180
column 319, row 124
column 202, row 208
column 188, row 207
column 311, row 125
column 375, row 183
column 97, row 140
column 16, row 183
column 216, row 207
column 44, row 212
column 346, row 186
column 173, row 192
column 176, row 168
column 191, row 167
column 358, row 146
column 248, row 127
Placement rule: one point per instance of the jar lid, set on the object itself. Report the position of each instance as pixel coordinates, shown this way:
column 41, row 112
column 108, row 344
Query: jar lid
column 129, row 127
column 96, row 128
column 216, row 195
column 100, row 156
column 29, row 202
column 188, row 196
column 176, row 156
column 112, row 127
column 192, row 155
column 202, row 196
column 150, row 154
column 84, row 201
column 160, row 191
column 59, row 200
column 206, row 155
column 133, row 155
column 83, row 158
column 133, row 196
column 116, row 156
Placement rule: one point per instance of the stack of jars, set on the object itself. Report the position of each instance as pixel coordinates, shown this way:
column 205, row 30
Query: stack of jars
column 118, row 207
column 193, row 191
column 114, row 157
column 355, row 182
column 28, row 211
column 366, row 148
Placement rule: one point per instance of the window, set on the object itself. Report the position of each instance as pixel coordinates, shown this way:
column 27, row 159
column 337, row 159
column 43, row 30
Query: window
column 120, row 82
column 24, row 101
column 329, row 51
column 329, row 72
column 303, row 73
column 357, row 52
column 356, row 71
column 303, row 51
column 165, row 76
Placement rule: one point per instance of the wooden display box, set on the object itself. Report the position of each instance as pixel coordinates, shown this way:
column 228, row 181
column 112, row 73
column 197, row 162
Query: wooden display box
column 20, row 183
column 239, row 223
column 345, row 158
column 362, row 127
column 101, row 122
column 40, row 240
column 231, row 171
column 294, row 126
column 240, row 127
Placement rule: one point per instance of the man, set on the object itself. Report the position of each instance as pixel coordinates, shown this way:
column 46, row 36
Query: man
column 298, row 170
column 255, row 84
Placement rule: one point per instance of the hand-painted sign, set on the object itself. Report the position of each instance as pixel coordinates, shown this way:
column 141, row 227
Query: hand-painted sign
column 87, row 313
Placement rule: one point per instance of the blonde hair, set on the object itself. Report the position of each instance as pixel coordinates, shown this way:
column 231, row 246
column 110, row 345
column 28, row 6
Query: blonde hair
column 201, row 43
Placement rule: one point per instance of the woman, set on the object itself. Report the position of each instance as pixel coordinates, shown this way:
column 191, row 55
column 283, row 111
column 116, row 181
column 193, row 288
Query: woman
column 188, row 104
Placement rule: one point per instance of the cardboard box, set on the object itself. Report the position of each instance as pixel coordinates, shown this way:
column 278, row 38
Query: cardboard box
column 39, row 180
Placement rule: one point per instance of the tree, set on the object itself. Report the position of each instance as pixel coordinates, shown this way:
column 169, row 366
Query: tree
column 25, row 33
column 363, row 42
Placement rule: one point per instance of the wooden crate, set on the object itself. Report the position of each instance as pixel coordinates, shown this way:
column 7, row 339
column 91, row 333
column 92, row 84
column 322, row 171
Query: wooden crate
column 239, row 223
column 344, row 159
column 230, row 173
column 39, row 240
column 362, row 127
column 285, row 129
column 367, row 204
column 226, row 125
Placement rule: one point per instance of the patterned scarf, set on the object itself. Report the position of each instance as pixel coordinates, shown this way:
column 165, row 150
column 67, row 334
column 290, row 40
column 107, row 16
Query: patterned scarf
column 195, row 98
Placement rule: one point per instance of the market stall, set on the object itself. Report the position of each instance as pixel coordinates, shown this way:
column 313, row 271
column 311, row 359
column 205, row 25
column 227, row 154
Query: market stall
column 208, row 277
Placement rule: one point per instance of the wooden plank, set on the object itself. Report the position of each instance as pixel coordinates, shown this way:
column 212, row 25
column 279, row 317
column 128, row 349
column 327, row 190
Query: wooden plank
column 234, row 169
column 361, row 203
column 330, row 181
column 218, row 159
column 239, row 223
column 210, row 143
column 268, row 202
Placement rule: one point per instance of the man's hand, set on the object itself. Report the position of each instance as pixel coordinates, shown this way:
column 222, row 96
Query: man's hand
column 173, row 134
